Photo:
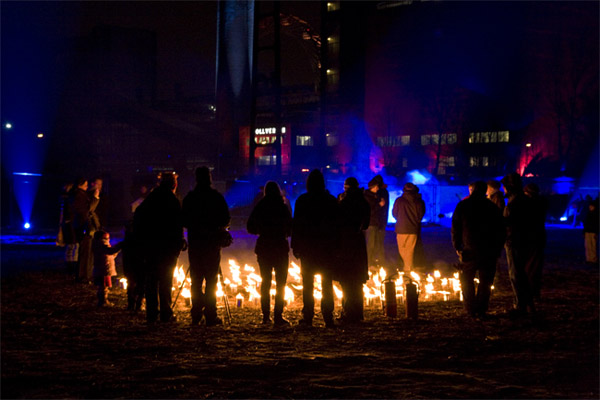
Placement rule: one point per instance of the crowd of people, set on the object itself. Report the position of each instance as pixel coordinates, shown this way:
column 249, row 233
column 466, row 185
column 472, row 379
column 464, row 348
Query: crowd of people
column 335, row 237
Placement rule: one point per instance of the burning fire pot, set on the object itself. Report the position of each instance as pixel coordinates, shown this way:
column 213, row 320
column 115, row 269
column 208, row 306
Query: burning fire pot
column 411, row 302
column 391, row 307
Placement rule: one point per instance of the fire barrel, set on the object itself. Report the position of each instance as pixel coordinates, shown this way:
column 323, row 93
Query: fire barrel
column 411, row 300
column 391, row 307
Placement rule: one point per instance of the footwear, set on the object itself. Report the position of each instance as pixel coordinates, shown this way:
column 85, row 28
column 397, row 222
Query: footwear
column 172, row 318
column 329, row 323
column 266, row 320
column 213, row 322
column 305, row 322
column 279, row 321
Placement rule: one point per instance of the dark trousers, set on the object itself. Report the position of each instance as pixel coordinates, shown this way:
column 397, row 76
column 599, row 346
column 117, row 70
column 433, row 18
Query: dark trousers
column 159, row 284
column 204, row 268
column 477, row 301
column 310, row 268
column 135, row 290
column 519, row 259
column 353, row 302
column 269, row 262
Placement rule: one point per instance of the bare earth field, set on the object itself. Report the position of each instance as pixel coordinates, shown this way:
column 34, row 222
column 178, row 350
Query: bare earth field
column 57, row 344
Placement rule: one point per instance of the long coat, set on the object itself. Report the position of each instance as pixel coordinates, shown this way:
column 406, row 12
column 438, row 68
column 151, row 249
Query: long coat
column 477, row 229
column 205, row 212
column 315, row 230
column 272, row 221
column 355, row 214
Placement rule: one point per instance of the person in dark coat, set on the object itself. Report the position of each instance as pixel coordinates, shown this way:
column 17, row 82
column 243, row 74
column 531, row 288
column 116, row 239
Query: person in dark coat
column 372, row 197
column 205, row 215
column 80, row 207
column 408, row 210
column 355, row 214
column 477, row 236
column 520, row 218
column 315, row 239
column 590, row 233
column 158, row 227
column 495, row 194
column 86, row 259
column 384, row 211
column 133, row 269
column 540, row 209
column 271, row 220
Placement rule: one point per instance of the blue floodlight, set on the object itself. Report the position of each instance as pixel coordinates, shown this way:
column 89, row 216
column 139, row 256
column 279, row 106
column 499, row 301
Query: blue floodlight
column 8, row 125
column 26, row 225
column 26, row 174
column 563, row 219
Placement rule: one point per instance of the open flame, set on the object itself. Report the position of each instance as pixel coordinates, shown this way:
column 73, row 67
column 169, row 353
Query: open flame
column 243, row 285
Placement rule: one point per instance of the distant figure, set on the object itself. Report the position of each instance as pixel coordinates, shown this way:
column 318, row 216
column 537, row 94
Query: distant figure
column 315, row 239
column 133, row 268
column 408, row 210
column 104, row 265
column 271, row 220
column 590, row 233
column 372, row 197
column 384, row 211
column 205, row 214
column 355, row 214
column 100, row 212
column 157, row 225
column 540, row 209
column 495, row 195
column 66, row 235
column 477, row 236
column 520, row 219
column 81, row 206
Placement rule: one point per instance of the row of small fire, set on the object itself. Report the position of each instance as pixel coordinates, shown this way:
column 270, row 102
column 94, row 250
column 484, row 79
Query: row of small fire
column 243, row 285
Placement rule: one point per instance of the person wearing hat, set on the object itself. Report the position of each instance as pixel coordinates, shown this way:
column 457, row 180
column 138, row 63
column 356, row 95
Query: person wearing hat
column 372, row 197
column 408, row 211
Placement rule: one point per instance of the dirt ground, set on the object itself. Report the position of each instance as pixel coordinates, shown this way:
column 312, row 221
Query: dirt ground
column 57, row 344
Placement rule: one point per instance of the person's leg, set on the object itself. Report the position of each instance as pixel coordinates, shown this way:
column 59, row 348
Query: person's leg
column 197, row 275
column 370, row 234
column 308, row 283
column 516, row 258
column 165, row 286
column 151, row 289
column 213, row 260
column 327, row 299
column 406, row 248
column 379, row 246
column 281, row 273
column 487, row 272
column 265, row 265
column 467, row 285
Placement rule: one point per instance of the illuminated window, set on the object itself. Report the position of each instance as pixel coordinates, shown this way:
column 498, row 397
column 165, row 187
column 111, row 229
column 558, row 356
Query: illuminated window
column 404, row 162
column 447, row 138
column 503, row 136
column 425, row 140
column 333, row 5
column 304, row 141
column 267, row 160
column 447, row 161
column 489, row 137
column 393, row 141
column 473, row 162
column 485, row 162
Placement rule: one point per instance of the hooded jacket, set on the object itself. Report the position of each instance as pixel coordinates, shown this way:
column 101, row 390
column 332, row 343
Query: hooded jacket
column 408, row 210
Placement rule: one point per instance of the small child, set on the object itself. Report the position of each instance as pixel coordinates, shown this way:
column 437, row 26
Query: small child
column 104, row 265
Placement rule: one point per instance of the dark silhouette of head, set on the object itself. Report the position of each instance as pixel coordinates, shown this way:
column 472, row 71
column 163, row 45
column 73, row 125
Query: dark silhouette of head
column 410, row 188
column 315, row 181
column 531, row 190
column 203, row 177
column 272, row 189
column 350, row 184
column 168, row 180
column 512, row 184
column 479, row 188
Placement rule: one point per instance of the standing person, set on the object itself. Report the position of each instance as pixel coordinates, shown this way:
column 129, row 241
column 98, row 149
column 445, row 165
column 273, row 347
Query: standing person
column 539, row 207
column 477, row 236
column 372, row 197
column 520, row 221
column 81, row 205
column 158, row 227
column 100, row 212
column 355, row 214
column 272, row 221
column 590, row 233
column 205, row 215
column 384, row 211
column 408, row 210
column 495, row 195
column 315, row 237
column 104, row 265
column 66, row 232
column 86, row 260
column 133, row 268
